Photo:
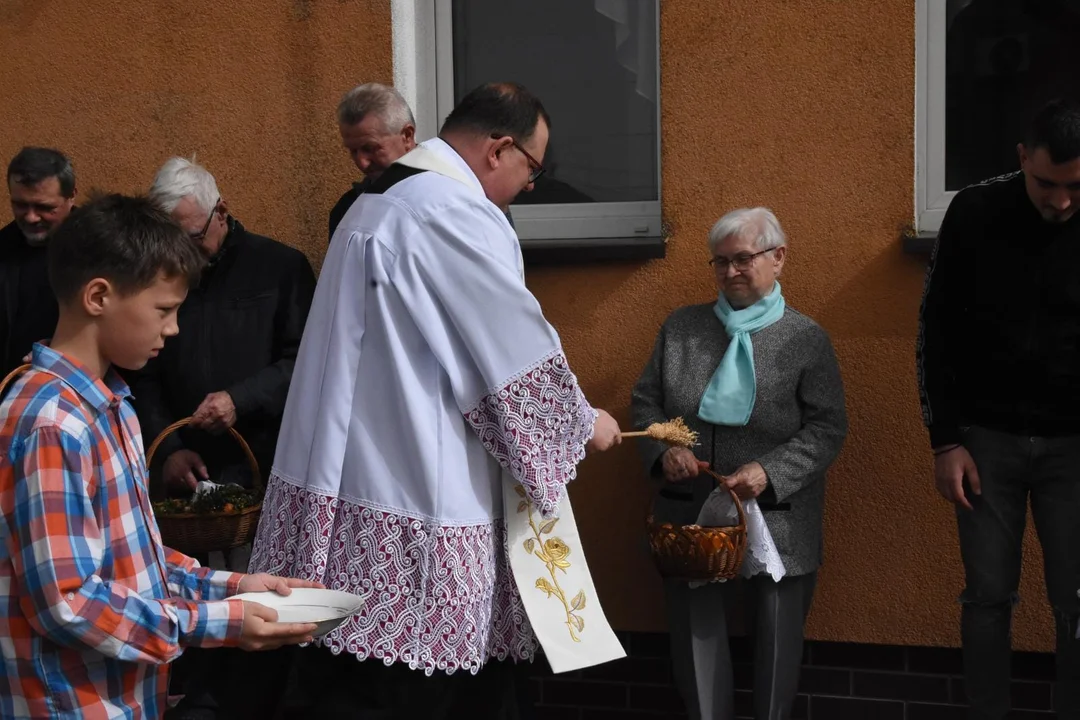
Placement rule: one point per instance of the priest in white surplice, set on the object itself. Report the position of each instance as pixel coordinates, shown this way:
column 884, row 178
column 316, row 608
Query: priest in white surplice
column 426, row 372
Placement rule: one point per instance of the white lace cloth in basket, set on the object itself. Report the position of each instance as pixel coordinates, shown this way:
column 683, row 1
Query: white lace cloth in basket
column 761, row 553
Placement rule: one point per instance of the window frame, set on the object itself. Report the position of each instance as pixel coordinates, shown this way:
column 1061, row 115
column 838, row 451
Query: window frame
column 424, row 69
column 931, row 197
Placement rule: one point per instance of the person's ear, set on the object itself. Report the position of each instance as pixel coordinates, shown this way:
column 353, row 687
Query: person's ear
column 779, row 255
column 96, row 296
column 498, row 147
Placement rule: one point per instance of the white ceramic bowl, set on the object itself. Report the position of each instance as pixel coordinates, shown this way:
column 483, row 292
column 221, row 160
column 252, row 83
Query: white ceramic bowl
column 326, row 608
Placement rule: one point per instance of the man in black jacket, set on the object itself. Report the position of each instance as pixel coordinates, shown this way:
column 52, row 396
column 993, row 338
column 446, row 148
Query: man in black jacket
column 41, row 183
column 240, row 330
column 377, row 128
column 999, row 369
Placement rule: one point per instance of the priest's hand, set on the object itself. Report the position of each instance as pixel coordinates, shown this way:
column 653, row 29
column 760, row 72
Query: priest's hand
column 183, row 470
column 747, row 482
column 265, row 582
column 606, row 433
column 216, row 413
column 680, row 464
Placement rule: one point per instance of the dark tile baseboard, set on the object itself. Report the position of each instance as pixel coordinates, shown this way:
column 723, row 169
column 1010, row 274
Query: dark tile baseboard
column 840, row 681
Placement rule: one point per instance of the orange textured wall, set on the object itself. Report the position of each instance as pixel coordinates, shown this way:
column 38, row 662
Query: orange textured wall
column 249, row 86
column 803, row 106
column 806, row 107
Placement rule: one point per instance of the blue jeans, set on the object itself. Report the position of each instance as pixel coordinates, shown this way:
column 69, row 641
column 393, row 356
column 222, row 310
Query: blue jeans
column 1012, row 468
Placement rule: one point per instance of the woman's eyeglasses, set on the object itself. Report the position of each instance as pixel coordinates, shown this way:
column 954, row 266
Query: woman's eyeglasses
column 742, row 262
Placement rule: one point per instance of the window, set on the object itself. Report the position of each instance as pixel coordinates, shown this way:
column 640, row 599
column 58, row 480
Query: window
column 983, row 68
column 594, row 64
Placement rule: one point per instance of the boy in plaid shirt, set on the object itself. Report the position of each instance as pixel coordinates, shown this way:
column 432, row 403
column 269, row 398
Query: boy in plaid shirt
column 92, row 606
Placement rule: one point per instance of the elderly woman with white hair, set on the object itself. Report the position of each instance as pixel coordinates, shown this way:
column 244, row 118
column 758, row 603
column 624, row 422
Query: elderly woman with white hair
column 759, row 382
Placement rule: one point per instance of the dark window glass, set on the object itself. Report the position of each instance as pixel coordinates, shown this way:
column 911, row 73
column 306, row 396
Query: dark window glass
column 593, row 65
column 1004, row 58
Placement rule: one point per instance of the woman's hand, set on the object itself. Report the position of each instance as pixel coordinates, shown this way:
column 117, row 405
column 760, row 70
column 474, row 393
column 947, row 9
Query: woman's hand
column 747, row 482
column 680, row 464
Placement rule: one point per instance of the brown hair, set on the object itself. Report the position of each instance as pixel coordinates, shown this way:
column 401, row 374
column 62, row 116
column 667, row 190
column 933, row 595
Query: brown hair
column 34, row 164
column 498, row 109
column 129, row 241
column 1056, row 127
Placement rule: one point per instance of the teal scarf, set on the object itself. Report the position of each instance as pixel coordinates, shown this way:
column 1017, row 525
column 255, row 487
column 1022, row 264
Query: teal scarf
column 729, row 397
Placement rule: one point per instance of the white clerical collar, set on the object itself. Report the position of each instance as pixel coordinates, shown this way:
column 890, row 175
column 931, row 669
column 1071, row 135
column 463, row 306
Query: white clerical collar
column 439, row 157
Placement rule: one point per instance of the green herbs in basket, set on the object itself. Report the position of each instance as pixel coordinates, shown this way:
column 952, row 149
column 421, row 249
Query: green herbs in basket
column 224, row 498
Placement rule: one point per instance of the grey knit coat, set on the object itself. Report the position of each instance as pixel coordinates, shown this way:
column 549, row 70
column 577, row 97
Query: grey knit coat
column 796, row 429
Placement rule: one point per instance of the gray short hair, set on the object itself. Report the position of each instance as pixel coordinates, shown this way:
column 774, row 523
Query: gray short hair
column 386, row 102
column 759, row 220
column 179, row 178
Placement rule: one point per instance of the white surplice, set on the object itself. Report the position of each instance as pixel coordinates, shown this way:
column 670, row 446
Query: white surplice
column 426, row 368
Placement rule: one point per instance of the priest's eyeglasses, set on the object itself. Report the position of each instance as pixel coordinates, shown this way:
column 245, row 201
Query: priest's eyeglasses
column 535, row 168
column 741, row 262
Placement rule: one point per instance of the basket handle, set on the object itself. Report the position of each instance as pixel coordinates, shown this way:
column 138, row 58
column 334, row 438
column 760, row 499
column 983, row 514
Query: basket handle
column 252, row 462
column 10, row 377
column 738, row 503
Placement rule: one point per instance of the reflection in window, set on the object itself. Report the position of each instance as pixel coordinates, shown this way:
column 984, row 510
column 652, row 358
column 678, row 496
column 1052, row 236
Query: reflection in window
column 1004, row 58
column 593, row 64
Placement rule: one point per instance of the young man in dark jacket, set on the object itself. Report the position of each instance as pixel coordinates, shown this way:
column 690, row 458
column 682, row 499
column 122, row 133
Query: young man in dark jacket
column 999, row 369
column 41, row 183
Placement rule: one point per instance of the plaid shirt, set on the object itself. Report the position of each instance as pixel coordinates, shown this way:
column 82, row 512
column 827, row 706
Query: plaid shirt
column 92, row 606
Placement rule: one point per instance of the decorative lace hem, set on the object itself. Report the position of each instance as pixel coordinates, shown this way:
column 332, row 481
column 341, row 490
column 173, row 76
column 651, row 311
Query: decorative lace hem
column 537, row 425
column 436, row 597
column 763, row 557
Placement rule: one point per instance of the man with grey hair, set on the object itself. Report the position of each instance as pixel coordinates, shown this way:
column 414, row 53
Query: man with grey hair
column 232, row 363
column 377, row 127
column 230, row 367
column 41, row 183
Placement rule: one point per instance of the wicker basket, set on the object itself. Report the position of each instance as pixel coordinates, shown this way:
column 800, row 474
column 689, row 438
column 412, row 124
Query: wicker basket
column 204, row 532
column 197, row 532
column 10, row 377
column 695, row 553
